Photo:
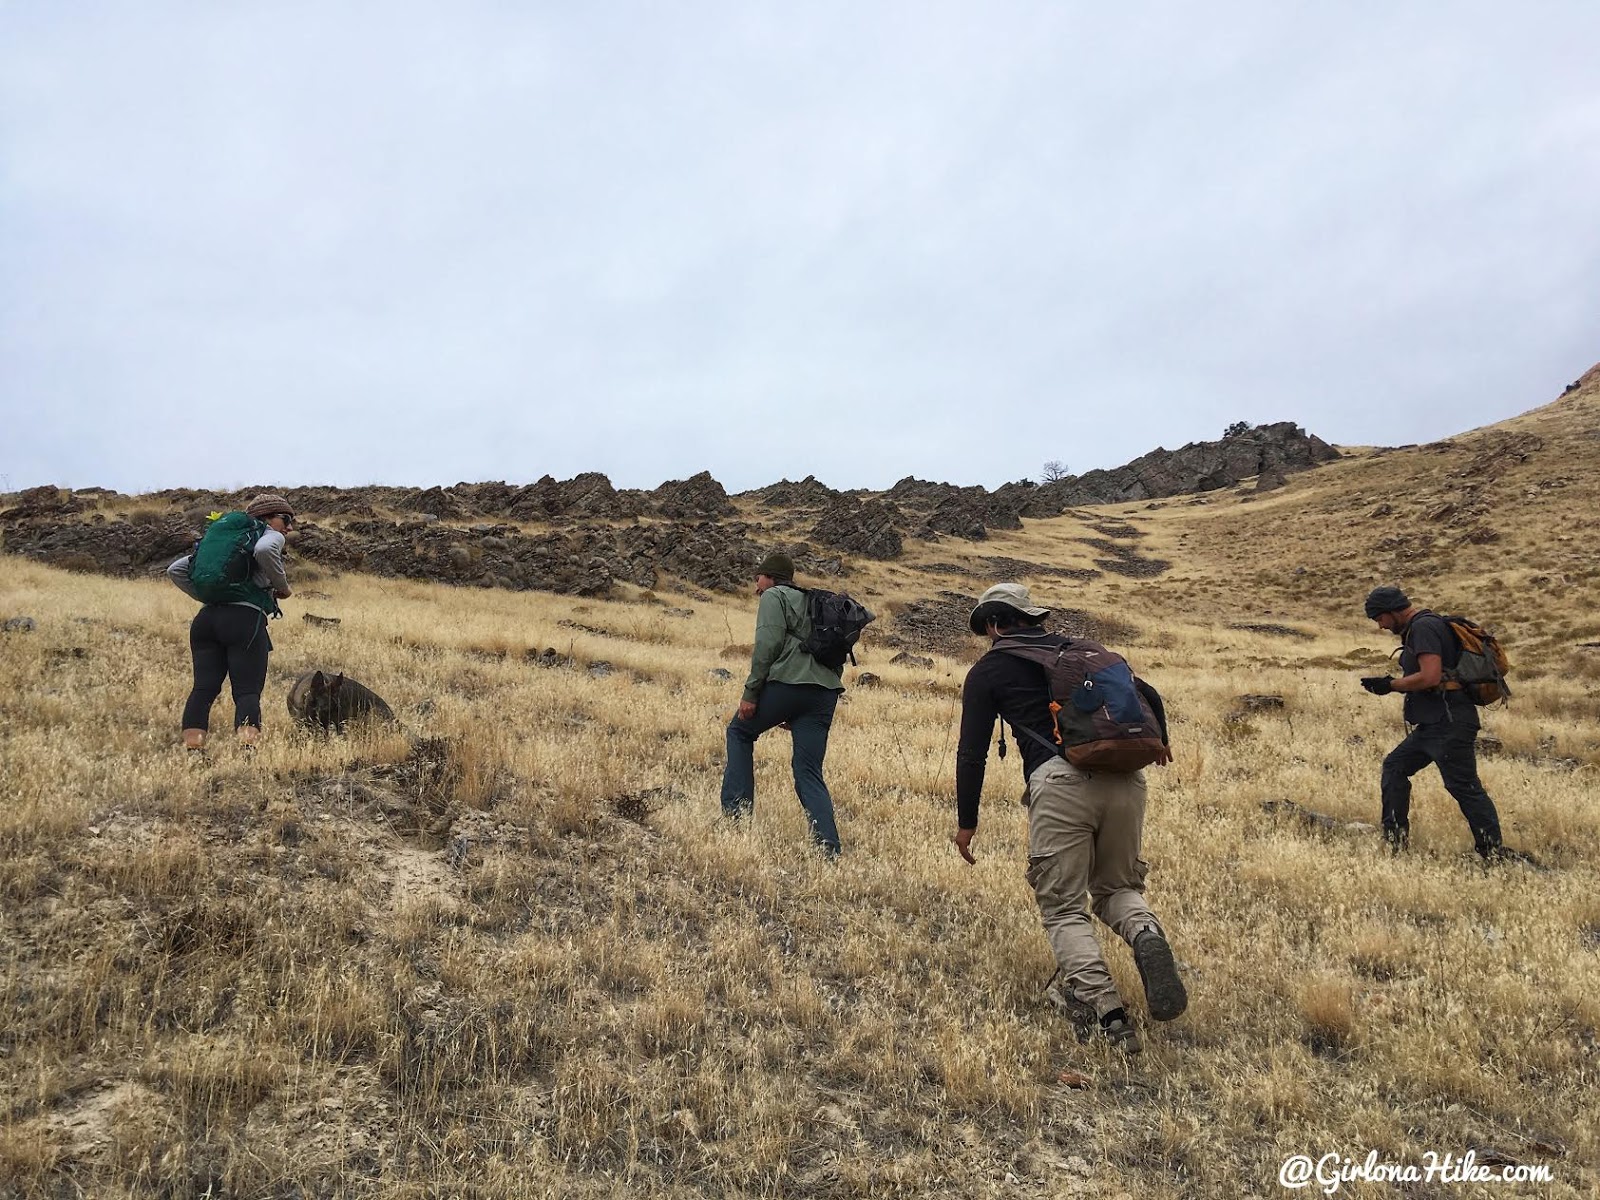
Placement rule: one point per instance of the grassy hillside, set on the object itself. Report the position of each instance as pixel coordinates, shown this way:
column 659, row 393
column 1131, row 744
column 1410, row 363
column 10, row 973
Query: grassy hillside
column 508, row 949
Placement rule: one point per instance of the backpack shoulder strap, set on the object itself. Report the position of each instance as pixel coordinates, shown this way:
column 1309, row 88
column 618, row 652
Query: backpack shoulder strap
column 1038, row 737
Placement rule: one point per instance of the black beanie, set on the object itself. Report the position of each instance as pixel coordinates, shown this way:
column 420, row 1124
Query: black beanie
column 1385, row 599
column 777, row 566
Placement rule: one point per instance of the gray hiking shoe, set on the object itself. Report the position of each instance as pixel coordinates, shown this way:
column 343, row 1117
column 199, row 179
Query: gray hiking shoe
column 1082, row 1016
column 1116, row 1027
column 1163, row 989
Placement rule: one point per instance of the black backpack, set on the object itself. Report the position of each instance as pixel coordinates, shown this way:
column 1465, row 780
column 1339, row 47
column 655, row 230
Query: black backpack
column 836, row 625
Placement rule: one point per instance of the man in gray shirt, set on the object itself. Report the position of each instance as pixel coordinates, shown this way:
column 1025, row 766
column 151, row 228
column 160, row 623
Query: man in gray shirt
column 1443, row 723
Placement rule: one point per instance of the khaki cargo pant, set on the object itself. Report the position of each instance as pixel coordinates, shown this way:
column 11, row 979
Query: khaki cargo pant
column 1084, row 834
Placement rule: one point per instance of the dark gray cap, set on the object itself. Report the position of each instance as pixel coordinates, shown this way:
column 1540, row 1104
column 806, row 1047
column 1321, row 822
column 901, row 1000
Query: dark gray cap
column 1387, row 598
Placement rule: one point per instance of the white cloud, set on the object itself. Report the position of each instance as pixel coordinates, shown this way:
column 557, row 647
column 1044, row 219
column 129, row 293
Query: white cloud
column 415, row 244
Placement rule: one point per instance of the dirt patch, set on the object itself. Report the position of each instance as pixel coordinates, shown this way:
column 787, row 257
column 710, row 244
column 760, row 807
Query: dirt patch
column 1134, row 567
column 1116, row 529
column 85, row 1125
column 1124, row 560
column 1011, row 568
column 939, row 625
column 417, row 874
column 996, row 568
column 1283, row 631
column 1076, row 623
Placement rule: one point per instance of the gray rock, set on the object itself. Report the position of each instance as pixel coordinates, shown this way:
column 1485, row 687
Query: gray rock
column 907, row 659
column 19, row 625
column 720, row 673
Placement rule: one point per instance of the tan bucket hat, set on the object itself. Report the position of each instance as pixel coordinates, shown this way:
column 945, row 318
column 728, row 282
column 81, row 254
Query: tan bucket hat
column 1012, row 595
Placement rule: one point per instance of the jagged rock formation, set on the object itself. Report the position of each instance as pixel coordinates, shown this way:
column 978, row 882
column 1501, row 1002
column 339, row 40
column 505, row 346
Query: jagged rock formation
column 866, row 527
column 809, row 493
column 698, row 496
column 594, row 534
column 1283, row 448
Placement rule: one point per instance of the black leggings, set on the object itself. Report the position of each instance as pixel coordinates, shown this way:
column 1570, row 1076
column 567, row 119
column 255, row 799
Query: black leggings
column 228, row 641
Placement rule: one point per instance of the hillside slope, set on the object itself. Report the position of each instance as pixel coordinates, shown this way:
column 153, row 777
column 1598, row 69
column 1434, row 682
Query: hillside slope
column 507, row 949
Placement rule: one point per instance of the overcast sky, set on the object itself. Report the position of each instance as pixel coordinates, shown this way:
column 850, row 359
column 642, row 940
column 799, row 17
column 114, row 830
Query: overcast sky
column 359, row 242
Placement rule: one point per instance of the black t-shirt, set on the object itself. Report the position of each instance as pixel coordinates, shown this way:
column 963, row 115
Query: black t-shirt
column 1428, row 634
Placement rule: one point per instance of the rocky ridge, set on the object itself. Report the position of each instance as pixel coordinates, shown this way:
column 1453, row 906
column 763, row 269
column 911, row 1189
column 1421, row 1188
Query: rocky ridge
column 590, row 534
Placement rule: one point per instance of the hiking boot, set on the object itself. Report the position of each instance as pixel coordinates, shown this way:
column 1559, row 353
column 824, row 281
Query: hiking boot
column 1397, row 839
column 1081, row 1016
column 1163, row 989
column 1117, row 1028
column 1500, row 855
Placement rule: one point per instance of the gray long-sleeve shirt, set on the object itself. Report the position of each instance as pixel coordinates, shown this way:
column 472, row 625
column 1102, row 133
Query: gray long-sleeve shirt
column 269, row 572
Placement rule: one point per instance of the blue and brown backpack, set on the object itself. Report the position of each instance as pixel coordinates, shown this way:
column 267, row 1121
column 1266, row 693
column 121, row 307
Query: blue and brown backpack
column 1104, row 717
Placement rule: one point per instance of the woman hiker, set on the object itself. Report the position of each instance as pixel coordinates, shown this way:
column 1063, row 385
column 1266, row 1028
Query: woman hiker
column 228, row 638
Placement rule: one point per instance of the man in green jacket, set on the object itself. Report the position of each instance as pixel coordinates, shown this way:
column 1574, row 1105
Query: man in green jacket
column 786, row 687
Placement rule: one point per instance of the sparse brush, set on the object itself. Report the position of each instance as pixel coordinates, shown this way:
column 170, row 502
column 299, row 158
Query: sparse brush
column 1326, row 1004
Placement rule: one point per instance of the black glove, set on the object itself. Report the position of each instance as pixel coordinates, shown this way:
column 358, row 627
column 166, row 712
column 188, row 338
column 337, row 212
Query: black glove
column 1378, row 685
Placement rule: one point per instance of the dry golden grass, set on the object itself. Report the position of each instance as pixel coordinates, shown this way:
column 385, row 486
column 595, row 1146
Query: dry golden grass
column 508, row 950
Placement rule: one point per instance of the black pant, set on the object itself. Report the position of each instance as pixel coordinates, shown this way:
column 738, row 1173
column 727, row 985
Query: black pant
column 227, row 641
column 1452, row 747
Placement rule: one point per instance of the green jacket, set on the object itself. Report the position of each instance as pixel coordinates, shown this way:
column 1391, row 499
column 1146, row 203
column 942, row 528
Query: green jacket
column 781, row 626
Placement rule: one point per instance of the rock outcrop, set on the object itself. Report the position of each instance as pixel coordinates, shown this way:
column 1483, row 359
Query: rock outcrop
column 582, row 535
column 1283, row 448
column 698, row 496
column 870, row 528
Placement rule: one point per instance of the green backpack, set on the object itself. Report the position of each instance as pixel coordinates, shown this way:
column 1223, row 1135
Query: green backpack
column 224, row 561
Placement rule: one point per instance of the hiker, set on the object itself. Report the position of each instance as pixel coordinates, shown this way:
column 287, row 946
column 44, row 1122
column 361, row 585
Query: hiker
column 1442, row 721
column 1084, row 826
column 789, row 687
column 228, row 637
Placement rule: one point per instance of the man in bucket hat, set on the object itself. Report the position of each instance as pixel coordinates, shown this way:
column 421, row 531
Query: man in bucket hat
column 1084, row 827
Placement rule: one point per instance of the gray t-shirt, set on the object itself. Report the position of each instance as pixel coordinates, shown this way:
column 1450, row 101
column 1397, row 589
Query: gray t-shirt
column 1428, row 634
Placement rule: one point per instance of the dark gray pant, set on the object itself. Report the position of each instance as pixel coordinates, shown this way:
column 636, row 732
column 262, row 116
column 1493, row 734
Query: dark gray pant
column 1452, row 747
column 809, row 709
column 227, row 641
